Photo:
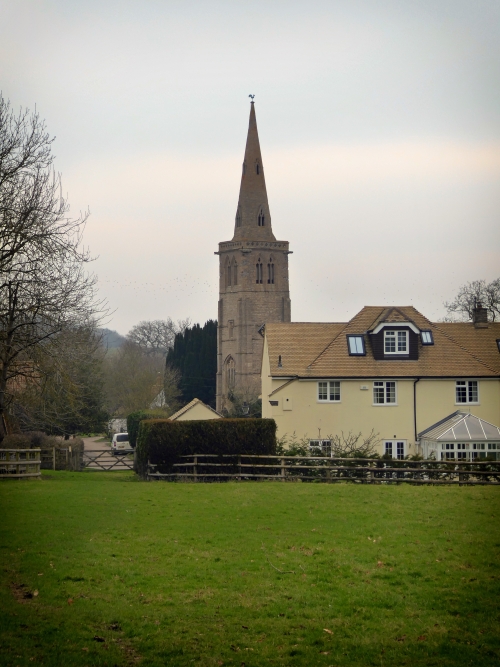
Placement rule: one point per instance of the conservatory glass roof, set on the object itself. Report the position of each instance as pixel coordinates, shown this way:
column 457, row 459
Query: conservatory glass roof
column 461, row 426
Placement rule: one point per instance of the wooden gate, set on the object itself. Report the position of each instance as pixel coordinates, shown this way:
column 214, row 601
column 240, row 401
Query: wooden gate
column 104, row 459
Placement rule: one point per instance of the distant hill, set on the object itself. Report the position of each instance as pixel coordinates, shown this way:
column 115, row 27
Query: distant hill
column 111, row 339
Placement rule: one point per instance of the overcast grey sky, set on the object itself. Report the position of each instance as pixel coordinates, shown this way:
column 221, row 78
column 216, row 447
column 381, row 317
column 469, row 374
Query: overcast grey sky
column 379, row 124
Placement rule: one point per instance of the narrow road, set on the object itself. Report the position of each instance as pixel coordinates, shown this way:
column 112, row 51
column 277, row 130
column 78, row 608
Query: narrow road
column 93, row 449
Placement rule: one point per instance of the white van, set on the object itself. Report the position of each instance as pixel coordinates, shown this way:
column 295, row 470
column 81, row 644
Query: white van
column 120, row 444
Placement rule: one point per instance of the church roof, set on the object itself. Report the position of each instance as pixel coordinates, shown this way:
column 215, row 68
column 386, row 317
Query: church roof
column 321, row 350
column 252, row 201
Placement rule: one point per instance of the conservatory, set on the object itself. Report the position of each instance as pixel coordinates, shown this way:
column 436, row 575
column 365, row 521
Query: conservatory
column 460, row 436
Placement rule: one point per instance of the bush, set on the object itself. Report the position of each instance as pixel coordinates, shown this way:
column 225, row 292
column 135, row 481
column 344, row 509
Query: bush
column 39, row 440
column 162, row 442
column 135, row 418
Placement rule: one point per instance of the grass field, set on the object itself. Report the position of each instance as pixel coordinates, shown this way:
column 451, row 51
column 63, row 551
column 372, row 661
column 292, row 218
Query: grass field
column 100, row 569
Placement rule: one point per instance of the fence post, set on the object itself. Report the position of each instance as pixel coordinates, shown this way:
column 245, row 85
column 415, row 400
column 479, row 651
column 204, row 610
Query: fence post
column 195, row 468
column 17, row 459
column 239, row 467
column 328, row 471
column 282, row 468
column 67, row 457
column 53, row 458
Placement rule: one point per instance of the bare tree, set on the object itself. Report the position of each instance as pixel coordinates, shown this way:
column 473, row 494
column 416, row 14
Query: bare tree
column 65, row 395
column 355, row 445
column 470, row 295
column 134, row 379
column 157, row 336
column 44, row 287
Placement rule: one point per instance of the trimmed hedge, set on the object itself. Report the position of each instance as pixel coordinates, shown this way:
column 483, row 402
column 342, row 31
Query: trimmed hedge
column 135, row 418
column 163, row 442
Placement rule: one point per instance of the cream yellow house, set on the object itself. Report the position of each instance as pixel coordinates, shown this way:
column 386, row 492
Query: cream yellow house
column 388, row 369
column 196, row 409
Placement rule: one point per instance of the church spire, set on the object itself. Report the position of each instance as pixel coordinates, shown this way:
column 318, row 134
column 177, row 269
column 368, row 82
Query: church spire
column 253, row 219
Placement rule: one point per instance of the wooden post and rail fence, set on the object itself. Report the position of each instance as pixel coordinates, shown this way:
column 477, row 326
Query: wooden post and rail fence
column 217, row 468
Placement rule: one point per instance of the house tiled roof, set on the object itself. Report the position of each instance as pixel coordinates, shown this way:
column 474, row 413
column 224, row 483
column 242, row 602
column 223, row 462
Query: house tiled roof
column 188, row 407
column 320, row 350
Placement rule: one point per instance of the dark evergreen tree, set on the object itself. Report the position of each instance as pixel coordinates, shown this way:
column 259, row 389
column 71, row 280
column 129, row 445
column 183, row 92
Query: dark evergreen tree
column 195, row 356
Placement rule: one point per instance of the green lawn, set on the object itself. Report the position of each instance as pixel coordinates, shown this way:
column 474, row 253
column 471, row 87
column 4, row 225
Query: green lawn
column 100, row 569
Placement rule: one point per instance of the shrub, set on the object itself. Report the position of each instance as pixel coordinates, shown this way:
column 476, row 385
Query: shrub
column 162, row 442
column 135, row 418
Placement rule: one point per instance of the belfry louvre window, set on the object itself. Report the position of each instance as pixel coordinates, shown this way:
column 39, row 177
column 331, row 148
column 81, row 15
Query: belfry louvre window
column 270, row 273
column 384, row 393
column 261, row 220
column 329, row 392
column 235, row 273
column 466, row 391
column 228, row 275
column 258, row 273
column 395, row 342
column 356, row 345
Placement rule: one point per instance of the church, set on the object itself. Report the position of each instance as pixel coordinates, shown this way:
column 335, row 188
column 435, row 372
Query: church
column 253, row 282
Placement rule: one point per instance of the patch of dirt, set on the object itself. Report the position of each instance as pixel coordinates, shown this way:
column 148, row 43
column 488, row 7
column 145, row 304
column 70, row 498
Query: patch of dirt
column 22, row 593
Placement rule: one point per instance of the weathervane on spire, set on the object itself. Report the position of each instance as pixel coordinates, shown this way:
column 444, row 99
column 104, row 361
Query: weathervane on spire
column 252, row 96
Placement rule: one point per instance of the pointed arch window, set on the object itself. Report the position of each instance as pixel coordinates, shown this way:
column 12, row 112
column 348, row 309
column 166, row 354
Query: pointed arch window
column 258, row 273
column 238, row 217
column 257, row 168
column 244, row 168
column 230, row 373
column 235, row 272
column 261, row 219
column 270, row 272
column 228, row 272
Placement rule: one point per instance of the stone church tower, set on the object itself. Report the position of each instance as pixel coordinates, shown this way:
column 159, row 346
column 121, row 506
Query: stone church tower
column 253, row 281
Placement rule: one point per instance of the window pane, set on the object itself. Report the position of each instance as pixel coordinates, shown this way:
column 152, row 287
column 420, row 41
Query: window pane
column 352, row 345
column 427, row 337
column 323, row 391
column 390, row 392
column 335, row 391
column 390, row 341
column 402, row 341
column 401, row 450
column 461, row 392
column 473, row 392
column 388, row 448
column 378, row 392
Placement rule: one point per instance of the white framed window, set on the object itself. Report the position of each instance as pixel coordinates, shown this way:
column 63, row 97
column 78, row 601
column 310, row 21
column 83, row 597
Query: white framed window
column 329, row 392
column 395, row 342
column 426, row 337
column 466, row 391
column 356, row 345
column 384, row 392
column 395, row 448
column 322, row 447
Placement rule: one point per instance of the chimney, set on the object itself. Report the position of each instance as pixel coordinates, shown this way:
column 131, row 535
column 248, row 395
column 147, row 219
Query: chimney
column 480, row 316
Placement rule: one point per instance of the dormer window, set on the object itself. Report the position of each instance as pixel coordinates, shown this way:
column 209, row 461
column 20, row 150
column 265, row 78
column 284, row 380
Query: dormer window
column 427, row 338
column 261, row 220
column 356, row 345
column 395, row 342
